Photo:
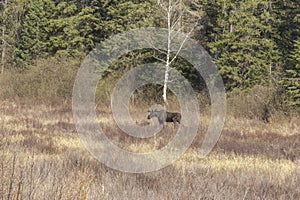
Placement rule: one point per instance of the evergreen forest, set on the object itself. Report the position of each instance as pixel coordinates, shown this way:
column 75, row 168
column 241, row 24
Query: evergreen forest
column 254, row 43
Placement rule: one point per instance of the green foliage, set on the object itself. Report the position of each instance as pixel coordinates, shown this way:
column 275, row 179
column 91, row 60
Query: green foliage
column 34, row 36
column 11, row 12
column 75, row 26
column 242, row 42
column 254, row 42
column 291, row 80
column 288, row 29
column 289, row 42
column 126, row 15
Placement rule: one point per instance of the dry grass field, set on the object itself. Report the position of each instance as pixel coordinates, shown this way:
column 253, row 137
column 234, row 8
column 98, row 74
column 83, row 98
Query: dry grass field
column 42, row 157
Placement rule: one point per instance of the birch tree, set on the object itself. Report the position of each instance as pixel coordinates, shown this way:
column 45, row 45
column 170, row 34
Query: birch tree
column 175, row 13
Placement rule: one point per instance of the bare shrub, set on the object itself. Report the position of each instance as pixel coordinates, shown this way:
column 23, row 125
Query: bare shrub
column 255, row 103
column 42, row 158
column 48, row 79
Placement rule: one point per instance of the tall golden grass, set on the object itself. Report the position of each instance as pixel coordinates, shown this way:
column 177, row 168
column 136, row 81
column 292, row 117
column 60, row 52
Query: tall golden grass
column 42, row 157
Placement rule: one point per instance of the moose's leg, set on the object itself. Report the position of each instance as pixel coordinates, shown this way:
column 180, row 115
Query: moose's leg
column 174, row 120
column 161, row 122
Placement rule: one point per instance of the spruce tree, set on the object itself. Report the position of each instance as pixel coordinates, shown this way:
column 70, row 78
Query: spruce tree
column 289, row 42
column 10, row 17
column 73, row 26
column 34, row 36
column 242, row 42
column 291, row 80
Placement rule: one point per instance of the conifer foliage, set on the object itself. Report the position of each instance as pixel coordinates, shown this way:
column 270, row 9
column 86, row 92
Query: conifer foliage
column 291, row 80
column 252, row 42
column 242, row 42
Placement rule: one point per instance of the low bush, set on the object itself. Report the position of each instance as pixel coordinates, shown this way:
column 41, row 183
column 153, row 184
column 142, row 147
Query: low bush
column 48, row 79
column 259, row 102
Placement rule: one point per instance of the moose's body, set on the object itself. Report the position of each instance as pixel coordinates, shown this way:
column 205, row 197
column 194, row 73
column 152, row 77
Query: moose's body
column 164, row 116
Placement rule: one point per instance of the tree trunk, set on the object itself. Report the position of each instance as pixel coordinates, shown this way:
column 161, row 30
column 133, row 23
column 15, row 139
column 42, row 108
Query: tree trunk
column 175, row 11
column 3, row 57
column 168, row 54
column 3, row 54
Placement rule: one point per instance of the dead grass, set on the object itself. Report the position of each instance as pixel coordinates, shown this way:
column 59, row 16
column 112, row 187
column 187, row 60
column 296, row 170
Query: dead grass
column 43, row 158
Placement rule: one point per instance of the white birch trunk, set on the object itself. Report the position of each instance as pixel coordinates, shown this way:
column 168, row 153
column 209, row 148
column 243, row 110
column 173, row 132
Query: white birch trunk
column 175, row 25
column 167, row 66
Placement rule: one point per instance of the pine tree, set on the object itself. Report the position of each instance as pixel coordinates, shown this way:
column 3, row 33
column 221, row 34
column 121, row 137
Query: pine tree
column 11, row 12
column 124, row 15
column 74, row 26
column 242, row 42
column 288, row 12
column 34, row 37
column 291, row 80
column 288, row 30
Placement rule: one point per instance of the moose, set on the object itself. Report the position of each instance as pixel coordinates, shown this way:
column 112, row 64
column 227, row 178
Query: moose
column 164, row 116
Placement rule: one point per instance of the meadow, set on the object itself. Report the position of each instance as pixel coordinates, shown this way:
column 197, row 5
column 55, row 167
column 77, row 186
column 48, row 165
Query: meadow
column 42, row 157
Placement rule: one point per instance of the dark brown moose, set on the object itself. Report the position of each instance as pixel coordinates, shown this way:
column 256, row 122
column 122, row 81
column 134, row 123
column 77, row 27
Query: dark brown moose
column 164, row 116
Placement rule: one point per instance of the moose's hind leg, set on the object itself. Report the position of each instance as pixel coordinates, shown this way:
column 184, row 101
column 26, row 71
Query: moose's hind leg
column 174, row 120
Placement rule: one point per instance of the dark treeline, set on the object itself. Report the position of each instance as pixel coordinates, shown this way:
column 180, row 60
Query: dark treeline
column 253, row 42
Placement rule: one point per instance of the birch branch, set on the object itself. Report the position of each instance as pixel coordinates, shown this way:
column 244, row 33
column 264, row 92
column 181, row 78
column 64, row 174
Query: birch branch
column 182, row 43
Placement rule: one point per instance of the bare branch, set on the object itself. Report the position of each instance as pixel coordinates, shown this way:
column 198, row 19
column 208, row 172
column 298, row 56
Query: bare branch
column 183, row 42
column 180, row 30
column 159, row 59
column 177, row 20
